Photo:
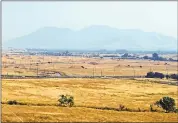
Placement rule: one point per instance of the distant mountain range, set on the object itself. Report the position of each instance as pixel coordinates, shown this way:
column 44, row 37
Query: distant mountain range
column 93, row 38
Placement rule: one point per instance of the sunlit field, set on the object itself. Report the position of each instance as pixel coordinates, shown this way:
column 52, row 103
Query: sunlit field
column 71, row 66
column 89, row 62
column 40, row 100
column 95, row 100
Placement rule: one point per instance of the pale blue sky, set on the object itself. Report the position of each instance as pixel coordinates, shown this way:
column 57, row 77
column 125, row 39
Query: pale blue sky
column 21, row 18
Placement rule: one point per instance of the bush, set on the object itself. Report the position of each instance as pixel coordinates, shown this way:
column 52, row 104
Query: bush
column 155, row 75
column 12, row 102
column 146, row 57
column 155, row 56
column 166, row 103
column 66, row 100
column 174, row 76
column 121, row 107
column 150, row 75
column 159, row 75
column 167, row 76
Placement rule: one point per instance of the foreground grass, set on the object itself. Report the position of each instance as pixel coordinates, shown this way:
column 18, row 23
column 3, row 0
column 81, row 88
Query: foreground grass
column 87, row 93
column 80, row 114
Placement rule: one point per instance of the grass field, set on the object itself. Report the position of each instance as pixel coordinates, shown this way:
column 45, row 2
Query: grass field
column 20, row 65
column 77, row 114
column 40, row 96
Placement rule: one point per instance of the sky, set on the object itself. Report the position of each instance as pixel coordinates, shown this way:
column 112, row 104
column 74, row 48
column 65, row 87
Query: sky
column 22, row 18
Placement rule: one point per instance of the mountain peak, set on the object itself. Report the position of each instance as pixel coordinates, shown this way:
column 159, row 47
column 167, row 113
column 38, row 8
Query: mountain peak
column 93, row 37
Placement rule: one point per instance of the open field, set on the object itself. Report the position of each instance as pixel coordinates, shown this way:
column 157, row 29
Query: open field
column 96, row 100
column 77, row 114
column 89, row 61
column 55, row 65
column 91, row 96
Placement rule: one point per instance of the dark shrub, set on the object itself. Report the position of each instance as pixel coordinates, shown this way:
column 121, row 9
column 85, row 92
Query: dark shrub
column 150, row 75
column 12, row 102
column 66, row 100
column 155, row 56
column 167, row 76
column 174, row 76
column 71, row 101
column 121, row 107
column 162, row 59
column 167, row 103
column 154, row 75
column 159, row 75
column 145, row 57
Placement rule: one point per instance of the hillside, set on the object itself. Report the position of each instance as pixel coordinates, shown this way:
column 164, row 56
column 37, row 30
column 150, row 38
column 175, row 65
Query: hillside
column 93, row 37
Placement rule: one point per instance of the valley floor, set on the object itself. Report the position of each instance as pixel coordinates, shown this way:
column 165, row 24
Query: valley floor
column 91, row 96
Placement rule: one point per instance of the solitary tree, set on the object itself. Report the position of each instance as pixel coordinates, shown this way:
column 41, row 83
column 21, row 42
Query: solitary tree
column 66, row 100
column 155, row 56
column 167, row 103
column 145, row 57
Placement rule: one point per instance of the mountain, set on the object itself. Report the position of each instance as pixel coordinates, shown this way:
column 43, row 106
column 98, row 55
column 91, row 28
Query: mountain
column 93, row 38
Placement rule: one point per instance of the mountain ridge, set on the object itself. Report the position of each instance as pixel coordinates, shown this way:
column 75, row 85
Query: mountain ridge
column 93, row 37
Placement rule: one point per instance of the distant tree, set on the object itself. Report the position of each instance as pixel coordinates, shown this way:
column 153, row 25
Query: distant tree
column 174, row 76
column 162, row 59
column 145, row 57
column 167, row 76
column 150, row 75
column 125, row 55
column 155, row 75
column 158, row 75
column 155, row 56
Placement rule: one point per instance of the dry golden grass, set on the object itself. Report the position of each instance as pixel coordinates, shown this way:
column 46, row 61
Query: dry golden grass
column 72, row 66
column 78, row 114
column 87, row 93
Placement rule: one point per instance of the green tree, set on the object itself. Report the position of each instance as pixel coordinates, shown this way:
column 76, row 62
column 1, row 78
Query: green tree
column 155, row 56
column 66, row 100
column 167, row 103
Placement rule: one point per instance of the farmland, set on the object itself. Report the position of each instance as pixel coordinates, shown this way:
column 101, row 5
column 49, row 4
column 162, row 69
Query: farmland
column 40, row 100
column 71, row 66
column 89, row 61
column 96, row 99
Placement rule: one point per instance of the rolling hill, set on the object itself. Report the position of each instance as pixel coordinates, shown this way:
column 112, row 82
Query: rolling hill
column 93, row 37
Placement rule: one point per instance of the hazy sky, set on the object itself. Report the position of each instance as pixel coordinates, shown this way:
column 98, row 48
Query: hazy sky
column 21, row 18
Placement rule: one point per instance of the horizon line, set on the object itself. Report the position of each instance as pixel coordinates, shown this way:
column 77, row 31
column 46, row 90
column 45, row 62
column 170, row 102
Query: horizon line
column 85, row 27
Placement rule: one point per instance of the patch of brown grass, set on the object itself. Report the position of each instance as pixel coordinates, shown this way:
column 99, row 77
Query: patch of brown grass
column 111, row 93
column 78, row 114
